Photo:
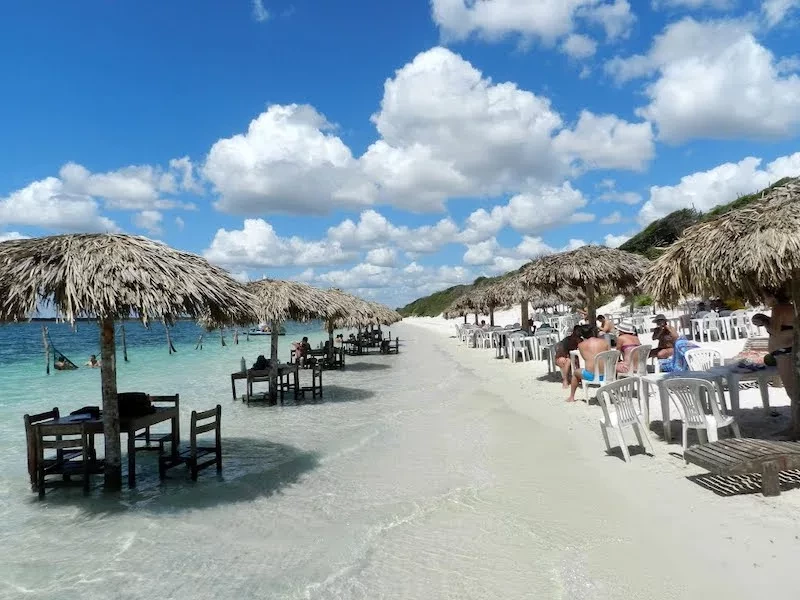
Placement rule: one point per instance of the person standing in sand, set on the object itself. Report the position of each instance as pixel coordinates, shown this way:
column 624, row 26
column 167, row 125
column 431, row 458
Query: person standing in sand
column 589, row 348
column 781, row 337
column 563, row 348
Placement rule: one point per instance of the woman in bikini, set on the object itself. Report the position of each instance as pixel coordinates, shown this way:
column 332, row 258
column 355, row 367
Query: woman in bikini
column 627, row 340
column 666, row 337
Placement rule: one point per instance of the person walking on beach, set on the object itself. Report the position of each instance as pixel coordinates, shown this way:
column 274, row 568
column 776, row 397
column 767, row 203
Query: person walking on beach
column 589, row 348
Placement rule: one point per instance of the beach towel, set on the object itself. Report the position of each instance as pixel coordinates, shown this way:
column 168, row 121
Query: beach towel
column 677, row 362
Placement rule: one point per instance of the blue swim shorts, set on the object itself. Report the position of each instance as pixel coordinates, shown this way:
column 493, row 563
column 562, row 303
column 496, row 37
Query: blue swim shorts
column 588, row 375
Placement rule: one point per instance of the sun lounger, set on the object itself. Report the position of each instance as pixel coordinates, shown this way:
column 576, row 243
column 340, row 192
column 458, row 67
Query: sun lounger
column 746, row 456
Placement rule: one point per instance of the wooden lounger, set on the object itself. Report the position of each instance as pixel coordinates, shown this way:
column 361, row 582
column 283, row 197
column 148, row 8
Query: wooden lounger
column 744, row 456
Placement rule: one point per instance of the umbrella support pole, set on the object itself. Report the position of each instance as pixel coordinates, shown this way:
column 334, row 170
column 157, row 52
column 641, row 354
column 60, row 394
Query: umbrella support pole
column 523, row 315
column 108, row 379
column 273, row 362
column 795, row 399
column 591, row 305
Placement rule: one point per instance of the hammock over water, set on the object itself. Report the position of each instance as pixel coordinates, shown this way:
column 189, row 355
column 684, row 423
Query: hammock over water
column 60, row 361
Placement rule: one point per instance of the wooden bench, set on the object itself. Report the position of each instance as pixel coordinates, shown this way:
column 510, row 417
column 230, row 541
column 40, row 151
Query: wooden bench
column 745, row 456
column 197, row 457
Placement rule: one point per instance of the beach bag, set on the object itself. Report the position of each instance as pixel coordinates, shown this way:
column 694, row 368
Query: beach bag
column 92, row 412
column 134, row 404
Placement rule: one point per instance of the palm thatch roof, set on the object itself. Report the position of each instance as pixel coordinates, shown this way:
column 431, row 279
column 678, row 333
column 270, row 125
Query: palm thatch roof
column 589, row 269
column 511, row 291
column 598, row 267
column 114, row 276
column 740, row 254
column 278, row 300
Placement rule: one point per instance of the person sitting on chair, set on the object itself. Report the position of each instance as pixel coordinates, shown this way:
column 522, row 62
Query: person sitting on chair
column 590, row 347
column 303, row 350
column 666, row 337
column 627, row 340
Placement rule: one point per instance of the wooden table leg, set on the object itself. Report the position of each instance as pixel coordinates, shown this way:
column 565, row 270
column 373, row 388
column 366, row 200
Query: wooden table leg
column 176, row 434
column 131, row 458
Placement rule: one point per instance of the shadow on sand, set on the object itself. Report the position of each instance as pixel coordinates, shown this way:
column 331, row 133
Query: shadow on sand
column 754, row 423
column 365, row 366
column 251, row 469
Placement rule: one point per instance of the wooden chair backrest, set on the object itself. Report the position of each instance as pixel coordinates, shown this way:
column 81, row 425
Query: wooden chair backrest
column 31, row 436
column 205, row 422
column 68, row 436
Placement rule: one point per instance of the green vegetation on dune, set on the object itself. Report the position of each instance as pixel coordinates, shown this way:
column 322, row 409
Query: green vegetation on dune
column 433, row 305
column 649, row 242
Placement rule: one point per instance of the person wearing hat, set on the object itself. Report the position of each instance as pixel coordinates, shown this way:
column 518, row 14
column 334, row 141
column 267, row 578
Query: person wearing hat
column 666, row 337
column 627, row 340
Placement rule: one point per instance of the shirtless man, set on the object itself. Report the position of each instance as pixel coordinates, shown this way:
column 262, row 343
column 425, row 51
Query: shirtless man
column 589, row 348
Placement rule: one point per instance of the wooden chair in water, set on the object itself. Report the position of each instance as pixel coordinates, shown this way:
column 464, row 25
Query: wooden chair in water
column 155, row 440
column 197, row 457
column 30, row 439
column 74, row 456
column 316, row 382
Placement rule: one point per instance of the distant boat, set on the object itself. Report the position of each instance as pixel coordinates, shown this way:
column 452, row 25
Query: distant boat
column 264, row 329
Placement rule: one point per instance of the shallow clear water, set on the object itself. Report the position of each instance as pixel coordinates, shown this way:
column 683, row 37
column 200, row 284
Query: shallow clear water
column 408, row 480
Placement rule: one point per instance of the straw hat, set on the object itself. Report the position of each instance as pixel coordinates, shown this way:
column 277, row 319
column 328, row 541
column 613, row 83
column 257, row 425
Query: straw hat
column 626, row 327
column 659, row 317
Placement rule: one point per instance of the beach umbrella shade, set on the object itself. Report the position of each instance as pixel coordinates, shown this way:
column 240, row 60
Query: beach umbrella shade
column 745, row 253
column 590, row 270
column 278, row 301
column 511, row 291
column 113, row 277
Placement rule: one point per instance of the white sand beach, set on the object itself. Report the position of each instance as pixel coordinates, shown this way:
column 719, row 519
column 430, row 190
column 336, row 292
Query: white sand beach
column 440, row 473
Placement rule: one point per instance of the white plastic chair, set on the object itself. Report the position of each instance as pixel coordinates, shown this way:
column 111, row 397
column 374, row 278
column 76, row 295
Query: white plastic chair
column 638, row 364
column 619, row 395
column 703, row 359
column 687, row 394
column 740, row 324
column 516, row 344
column 608, row 360
column 708, row 325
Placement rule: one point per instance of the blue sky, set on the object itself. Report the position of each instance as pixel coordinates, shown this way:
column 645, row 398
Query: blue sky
column 391, row 148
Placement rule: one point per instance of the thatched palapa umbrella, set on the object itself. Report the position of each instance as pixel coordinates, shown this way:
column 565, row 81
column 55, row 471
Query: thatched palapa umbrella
column 745, row 253
column 591, row 269
column 278, row 301
column 112, row 277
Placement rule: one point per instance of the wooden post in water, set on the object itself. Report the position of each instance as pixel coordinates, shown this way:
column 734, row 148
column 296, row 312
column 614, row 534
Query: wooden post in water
column 273, row 362
column 236, row 337
column 124, row 343
column 199, row 345
column 46, row 349
column 108, row 379
column 169, row 339
column 221, row 336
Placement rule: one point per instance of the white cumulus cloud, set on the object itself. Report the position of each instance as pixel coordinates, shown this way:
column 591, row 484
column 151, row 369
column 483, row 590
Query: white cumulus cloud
column 724, row 183
column 258, row 245
column 713, row 80
column 288, row 161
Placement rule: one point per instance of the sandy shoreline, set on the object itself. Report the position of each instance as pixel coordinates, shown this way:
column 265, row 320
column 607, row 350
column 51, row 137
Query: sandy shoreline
column 439, row 473
column 748, row 541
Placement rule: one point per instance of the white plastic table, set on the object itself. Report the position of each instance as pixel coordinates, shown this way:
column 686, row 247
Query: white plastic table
column 717, row 375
